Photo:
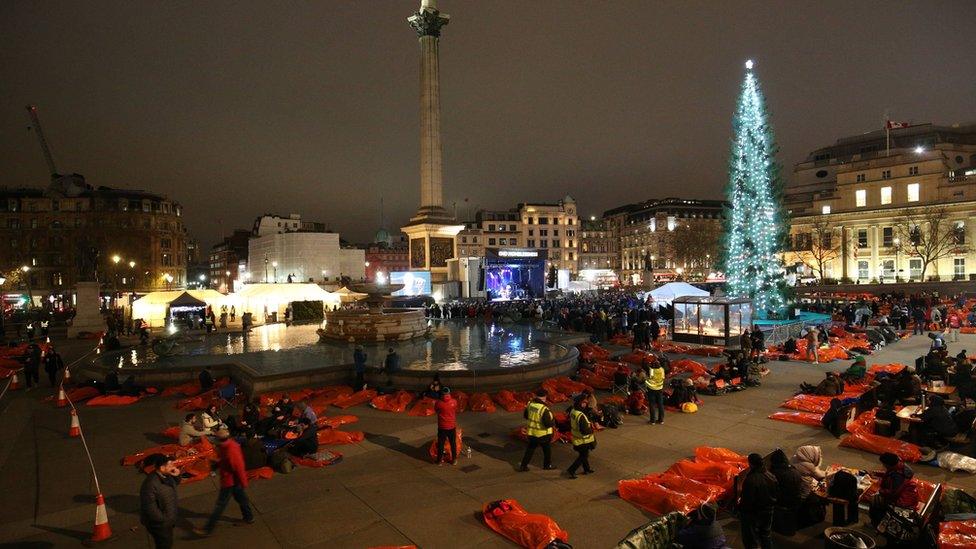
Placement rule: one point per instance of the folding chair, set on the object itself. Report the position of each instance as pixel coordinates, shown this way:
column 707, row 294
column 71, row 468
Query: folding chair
column 620, row 384
column 227, row 396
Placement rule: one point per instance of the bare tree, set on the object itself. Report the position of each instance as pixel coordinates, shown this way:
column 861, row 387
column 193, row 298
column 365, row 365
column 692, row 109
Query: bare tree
column 823, row 246
column 928, row 234
column 696, row 246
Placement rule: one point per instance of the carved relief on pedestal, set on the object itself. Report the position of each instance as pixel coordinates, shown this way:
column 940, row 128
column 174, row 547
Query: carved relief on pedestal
column 418, row 254
column 441, row 249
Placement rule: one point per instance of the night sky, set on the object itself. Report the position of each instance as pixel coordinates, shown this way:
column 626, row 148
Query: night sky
column 244, row 107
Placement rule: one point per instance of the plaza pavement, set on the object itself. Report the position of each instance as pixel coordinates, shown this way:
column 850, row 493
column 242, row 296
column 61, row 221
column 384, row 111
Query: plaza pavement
column 385, row 491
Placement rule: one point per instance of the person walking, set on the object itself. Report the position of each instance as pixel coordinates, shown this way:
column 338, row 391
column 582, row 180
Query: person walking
column 538, row 427
column 953, row 322
column 654, row 387
column 233, row 481
column 583, row 439
column 52, row 365
column 158, row 504
column 813, row 345
column 359, row 361
column 756, row 505
column 32, row 367
column 446, row 409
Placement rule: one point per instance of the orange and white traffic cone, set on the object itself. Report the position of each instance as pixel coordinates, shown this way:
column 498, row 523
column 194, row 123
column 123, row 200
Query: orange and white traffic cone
column 75, row 429
column 62, row 398
column 67, row 376
column 102, row 530
column 14, row 382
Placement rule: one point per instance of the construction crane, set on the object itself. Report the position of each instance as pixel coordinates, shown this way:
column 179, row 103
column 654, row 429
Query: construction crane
column 62, row 185
column 36, row 124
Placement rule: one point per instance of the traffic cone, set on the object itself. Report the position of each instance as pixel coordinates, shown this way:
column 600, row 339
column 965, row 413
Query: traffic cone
column 62, row 398
column 15, row 382
column 75, row 429
column 67, row 376
column 102, row 530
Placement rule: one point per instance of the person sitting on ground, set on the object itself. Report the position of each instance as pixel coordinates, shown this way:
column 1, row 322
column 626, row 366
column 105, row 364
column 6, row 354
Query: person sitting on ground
column 937, row 424
column 790, row 483
column 808, row 461
column 308, row 439
column 703, row 532
column 129, row 387
column 210, row 419
column 789, row 346
column 896, row 488
column 307, row 412
column 255, row 454
column 286, row 405
column 274, row 425
column 682, row 391
column 909, row 387
column 832, row 385
column 206, row 379
column 857, row 371
column 830, row 419
column 189, row 433
column 962, row 377
column 936, row 365
column 111, row 382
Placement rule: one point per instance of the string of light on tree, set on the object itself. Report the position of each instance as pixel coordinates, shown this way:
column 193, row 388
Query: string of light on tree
column 754, row 230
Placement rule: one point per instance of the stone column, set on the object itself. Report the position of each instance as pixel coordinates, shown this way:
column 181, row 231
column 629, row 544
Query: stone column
column 428, row 22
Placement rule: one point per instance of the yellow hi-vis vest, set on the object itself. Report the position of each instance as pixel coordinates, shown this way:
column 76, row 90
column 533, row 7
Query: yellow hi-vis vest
column 655, row 379
column 534, row 427
column 577, row 418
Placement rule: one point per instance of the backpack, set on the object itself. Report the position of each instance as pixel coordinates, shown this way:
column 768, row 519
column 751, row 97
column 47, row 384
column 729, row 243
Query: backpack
column 281, row 462
column 611, row 416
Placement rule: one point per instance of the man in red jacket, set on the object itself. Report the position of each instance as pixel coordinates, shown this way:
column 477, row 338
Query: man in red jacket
column 233, row 481
column 446, row 409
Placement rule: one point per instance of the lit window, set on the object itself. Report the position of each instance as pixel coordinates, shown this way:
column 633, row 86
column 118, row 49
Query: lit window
column 959, row 268
column 653, row 225
column 672, row 222
column 863, row 271
column 913, row 192
column 861, row 198
column 825, row 210
column 885, row 195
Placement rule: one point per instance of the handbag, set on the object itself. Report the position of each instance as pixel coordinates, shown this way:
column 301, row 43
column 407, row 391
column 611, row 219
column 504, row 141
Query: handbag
column 900, row 524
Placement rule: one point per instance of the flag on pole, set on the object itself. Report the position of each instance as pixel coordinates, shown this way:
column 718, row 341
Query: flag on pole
column 891, row 125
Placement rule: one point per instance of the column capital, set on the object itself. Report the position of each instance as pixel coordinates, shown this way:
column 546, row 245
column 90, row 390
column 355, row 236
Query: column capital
column 428, row 22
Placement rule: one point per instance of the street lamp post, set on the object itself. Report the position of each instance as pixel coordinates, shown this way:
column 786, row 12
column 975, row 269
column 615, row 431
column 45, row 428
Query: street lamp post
column 897, row 243
column 115, row 279
column 3, row 332
column 274, row 265
column 266, row 267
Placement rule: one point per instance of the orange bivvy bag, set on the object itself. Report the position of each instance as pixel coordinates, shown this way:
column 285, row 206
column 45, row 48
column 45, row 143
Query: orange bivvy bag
column 529, row 530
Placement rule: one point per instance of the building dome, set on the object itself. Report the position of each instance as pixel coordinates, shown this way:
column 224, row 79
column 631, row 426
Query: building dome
column 568, row 200
column 383, row 237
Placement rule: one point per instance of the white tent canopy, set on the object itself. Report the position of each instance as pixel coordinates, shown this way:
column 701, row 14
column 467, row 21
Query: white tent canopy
column 667, row 293
column 259, row 299
column 348, row 296
column 154, row 306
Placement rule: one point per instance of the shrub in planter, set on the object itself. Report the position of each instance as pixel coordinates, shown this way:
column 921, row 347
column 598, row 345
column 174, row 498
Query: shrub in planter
column 306, row 311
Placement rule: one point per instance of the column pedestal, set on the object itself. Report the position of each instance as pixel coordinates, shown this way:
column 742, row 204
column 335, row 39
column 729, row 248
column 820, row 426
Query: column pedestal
column 88, row 316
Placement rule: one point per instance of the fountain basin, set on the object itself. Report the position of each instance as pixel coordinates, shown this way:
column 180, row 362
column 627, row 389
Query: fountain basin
column 387, row 325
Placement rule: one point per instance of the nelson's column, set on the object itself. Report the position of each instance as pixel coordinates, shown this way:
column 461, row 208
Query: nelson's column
column 432, row 231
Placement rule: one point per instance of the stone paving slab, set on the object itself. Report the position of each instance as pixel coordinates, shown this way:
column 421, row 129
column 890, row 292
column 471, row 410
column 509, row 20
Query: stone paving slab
column 385, row 492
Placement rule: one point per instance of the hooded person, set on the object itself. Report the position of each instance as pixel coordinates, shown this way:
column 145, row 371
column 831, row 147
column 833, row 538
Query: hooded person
column 789, row 484
column 808, row 460
column 856, row 371
column 937, row 424
column 757, row 503
column 703, row 532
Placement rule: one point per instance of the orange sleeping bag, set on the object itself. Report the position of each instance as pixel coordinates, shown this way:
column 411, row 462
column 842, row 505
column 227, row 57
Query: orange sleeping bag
column 532, row 531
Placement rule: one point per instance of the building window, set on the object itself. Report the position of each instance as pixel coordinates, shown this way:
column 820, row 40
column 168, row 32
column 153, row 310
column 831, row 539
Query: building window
column 531, row 220
column 531, row 243
column 888, row 237
column 825, row 210
column 672, row 222
column 913, row 192
column 885, row 195
column 915, row 268
column 55, row 206
column 464, row 240
column 888, row 268
column 860, row 198
column 491, row 241
column 959, row 232
column 167, row 260
column 503, row 242
column 543, row 221
column 511, row 227
column 474, row 239
column 886, row 174
column 826, row 240
column 13, row 223
column 491, row 227
column 531, row 232
column 860, row 178
column 913, row 170
column 570, row 256
column 555, row 243
column 862, row 270
column 862, row 238
column 959, row 268
column 555, row 232
column 543, row 243
column 543, row 232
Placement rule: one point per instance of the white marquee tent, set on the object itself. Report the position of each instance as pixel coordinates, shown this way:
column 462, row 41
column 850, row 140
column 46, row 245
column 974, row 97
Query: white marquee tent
column 667, row 293
column 274, row 298
column 154, row 306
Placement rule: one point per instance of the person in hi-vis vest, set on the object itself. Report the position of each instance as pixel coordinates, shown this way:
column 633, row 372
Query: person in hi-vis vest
column 538, row 427
column 583, row 439
column 654, row 387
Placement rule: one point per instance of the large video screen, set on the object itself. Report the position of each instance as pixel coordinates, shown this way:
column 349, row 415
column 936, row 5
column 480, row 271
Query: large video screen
column 414, row 282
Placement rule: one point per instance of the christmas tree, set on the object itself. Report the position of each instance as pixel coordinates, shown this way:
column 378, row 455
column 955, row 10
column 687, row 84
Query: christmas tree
column 755, row 229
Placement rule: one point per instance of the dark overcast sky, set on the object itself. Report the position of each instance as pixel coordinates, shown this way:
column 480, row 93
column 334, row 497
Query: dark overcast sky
column 238, row 108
